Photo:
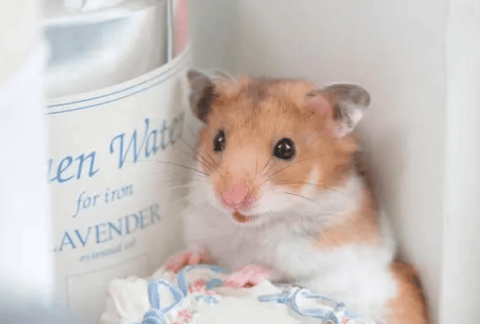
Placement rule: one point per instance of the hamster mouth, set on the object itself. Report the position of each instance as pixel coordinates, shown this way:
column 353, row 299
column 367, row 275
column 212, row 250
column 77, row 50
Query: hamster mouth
column 241, row 218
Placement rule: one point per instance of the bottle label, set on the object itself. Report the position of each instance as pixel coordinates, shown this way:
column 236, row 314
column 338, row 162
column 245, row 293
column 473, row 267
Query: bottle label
column 116, row 187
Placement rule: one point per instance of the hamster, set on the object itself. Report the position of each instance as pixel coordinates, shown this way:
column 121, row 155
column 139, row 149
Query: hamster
column 277, row 196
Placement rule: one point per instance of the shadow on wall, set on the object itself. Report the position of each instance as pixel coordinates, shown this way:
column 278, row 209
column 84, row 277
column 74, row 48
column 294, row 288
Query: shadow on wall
column 213, row 27
column 382, row 168
column 395, row 50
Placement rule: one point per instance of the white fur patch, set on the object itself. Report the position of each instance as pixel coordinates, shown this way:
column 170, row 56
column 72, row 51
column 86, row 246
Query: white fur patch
column 283, row 240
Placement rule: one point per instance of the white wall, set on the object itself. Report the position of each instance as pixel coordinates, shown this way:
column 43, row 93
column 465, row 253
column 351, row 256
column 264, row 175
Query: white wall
column 398, row 50
column 461, row 263
column 213, row 26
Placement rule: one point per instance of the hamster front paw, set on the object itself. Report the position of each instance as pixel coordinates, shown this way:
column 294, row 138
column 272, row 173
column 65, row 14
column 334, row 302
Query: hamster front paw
column 190, row 257
column 248, row 276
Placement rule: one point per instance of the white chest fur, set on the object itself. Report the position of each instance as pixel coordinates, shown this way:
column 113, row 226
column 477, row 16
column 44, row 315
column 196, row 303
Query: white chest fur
column 356, row 274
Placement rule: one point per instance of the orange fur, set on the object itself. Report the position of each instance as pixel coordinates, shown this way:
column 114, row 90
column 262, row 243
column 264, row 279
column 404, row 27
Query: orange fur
column 409, row 307
column 360, row 227
column 254, row 115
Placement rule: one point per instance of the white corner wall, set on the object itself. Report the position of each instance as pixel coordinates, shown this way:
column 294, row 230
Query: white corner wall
column 419, row 59
column 460, row 297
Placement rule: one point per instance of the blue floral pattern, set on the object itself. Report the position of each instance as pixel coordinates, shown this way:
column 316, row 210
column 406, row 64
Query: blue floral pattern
column 158, row 313
column 291, row 298
column 328, row 310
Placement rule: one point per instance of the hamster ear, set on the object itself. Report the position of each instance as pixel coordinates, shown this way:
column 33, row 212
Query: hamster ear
column 345, row 104
column 202, row 93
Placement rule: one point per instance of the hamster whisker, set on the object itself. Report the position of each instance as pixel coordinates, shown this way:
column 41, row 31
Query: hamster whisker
column 192, row 183
column 298, row 182
column 211, row 158
column 325, row 237
column 286, row 167
column 196, row 155
column 168, row 172
column 271, row 155
column 256, row 164
column 191, row 177
column 188, row 145
column 212, row 167
column 306, row 183
column 319, row 227
column 321, row 187
column 217, row 168
column 193, row 133
column 176, row 164
column 187, row 196
column 207, row 166
column 268, row 170
column 269, row 176
column 202, row 147
column 188, row 185
column 173, row 203
column 310, row 200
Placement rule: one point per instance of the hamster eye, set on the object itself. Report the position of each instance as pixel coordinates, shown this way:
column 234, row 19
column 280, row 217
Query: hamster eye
column 219, row 142
column 284, row 149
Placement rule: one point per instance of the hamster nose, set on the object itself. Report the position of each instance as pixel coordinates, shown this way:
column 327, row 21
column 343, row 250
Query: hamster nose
column 237, row 197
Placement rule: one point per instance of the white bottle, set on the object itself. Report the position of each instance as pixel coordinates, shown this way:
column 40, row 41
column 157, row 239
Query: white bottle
column 25, row 266
column 99, row 45
column 117, row 105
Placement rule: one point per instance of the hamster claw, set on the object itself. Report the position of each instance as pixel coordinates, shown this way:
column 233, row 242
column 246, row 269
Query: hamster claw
column 248, row 276
column 189, row 257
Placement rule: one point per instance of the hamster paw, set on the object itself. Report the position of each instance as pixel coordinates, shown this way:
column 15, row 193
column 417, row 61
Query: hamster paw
column 190, row 257
column 248, row 276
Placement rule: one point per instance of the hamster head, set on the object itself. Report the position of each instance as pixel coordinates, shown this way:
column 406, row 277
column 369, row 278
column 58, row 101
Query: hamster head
column 269, row 146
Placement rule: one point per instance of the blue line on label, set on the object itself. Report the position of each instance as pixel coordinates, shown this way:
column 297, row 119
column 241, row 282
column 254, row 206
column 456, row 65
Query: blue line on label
column 113, row 100
column 119, row 91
